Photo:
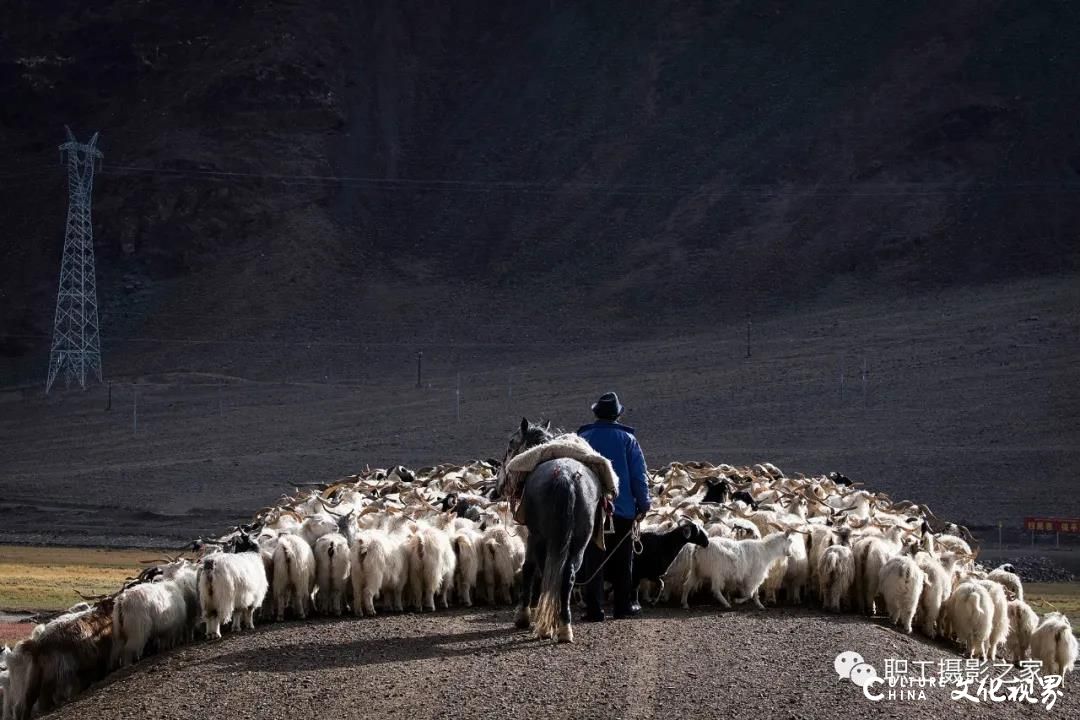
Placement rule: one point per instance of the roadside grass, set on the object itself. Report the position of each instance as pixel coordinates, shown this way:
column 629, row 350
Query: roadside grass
column 1063, row 597
column 45, row 578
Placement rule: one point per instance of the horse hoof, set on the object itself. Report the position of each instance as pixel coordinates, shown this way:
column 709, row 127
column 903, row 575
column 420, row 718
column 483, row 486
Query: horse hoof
column 566, row 634
column 523, row 619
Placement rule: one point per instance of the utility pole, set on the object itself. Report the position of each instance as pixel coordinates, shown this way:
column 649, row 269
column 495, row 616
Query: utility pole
column 76, row 342
column 747, row 334
column 865, row 382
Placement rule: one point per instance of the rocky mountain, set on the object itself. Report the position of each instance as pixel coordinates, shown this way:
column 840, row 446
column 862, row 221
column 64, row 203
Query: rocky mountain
column 279, row 173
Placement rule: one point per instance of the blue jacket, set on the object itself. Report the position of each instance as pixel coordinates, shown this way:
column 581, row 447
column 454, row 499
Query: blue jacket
column 617, row 443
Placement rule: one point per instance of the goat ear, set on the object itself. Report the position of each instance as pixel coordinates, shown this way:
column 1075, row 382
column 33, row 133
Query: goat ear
column 524, row 425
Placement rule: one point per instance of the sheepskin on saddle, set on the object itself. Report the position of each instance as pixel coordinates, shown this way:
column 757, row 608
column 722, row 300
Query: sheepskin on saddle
column 569, row 446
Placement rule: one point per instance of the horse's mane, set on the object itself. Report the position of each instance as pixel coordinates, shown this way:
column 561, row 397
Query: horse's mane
column 555, row 430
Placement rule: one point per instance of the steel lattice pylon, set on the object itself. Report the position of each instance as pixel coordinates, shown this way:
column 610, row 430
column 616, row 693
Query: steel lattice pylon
column 76, row 343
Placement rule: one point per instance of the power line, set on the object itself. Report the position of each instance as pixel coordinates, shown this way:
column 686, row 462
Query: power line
column 846, row 189
column 41, row 169
column 309, row 344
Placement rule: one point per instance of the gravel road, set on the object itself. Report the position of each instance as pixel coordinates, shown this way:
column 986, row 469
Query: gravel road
column 472, row 664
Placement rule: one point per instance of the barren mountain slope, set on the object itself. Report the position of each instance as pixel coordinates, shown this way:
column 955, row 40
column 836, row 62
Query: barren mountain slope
column 530, row 165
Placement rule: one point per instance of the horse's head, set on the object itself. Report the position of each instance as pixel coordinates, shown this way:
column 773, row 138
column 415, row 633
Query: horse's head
column 527, row 435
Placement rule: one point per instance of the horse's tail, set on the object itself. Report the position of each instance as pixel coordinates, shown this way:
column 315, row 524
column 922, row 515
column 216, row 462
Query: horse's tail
column 546, row 618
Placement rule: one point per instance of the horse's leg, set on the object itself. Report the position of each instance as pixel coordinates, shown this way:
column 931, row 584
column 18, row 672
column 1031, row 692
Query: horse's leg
column 523, row 618
column 534, row 592
column 565, row 631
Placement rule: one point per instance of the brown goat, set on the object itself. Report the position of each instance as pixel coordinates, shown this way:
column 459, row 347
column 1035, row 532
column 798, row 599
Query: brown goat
column 60, row 660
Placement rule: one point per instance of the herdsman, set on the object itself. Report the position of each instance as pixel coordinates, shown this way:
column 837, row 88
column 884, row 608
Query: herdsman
column 618, row 444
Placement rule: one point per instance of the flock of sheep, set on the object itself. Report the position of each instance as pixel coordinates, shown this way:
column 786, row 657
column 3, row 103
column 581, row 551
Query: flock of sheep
column 421, row 539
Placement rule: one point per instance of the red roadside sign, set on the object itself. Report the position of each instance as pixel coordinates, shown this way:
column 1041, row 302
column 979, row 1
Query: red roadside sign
column 1059, row 525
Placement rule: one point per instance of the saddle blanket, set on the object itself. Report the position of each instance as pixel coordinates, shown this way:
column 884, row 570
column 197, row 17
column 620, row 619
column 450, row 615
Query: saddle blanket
column 570, row 446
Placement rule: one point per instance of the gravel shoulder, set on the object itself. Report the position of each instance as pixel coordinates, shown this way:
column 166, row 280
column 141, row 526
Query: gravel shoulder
column 473, row 664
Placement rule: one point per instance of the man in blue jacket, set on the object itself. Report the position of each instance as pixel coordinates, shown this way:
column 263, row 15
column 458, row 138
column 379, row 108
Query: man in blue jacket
column 617, row 443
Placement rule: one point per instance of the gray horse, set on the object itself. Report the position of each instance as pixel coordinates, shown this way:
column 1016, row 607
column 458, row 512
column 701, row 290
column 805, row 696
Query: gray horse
column 559, row 501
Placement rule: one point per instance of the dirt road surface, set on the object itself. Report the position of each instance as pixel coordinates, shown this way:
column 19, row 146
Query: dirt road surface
column 472, row 664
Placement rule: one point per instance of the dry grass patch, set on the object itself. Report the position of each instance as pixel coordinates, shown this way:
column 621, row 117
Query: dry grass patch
column 45, row 578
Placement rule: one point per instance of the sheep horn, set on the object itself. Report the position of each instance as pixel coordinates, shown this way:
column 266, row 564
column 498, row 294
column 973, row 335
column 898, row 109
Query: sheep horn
column 328, row 510
column 90, row 598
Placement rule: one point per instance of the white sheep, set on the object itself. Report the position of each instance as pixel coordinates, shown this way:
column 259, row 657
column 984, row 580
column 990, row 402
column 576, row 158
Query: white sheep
column 319, row 524
column 331, row 572
column 958, row 546
column 469, row 549
column 431, row 566
column 268, row 542
column 822, row 537
column 797, row 572
column 5, row 652
column 935, row 592
column 504, row 554
column 680, row 579
column 163, row 611
column 774, row 580
column 380, row 566
column 1022, row 623
column 901, row 582
column 969, row 616
column 836, row 574
column 871, row 553
column 999, row 630
column 1054, row 644
column 294, row 575
column 738, row 567
column 231, row 587
column 1009, row 580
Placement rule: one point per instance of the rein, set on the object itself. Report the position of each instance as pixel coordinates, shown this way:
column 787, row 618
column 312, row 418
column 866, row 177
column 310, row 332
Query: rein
column 635, row 532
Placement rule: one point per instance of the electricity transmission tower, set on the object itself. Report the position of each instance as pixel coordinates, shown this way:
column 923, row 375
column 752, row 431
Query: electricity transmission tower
column 76, row 343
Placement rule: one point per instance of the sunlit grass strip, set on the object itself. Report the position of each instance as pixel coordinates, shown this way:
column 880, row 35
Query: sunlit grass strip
column 45, row 578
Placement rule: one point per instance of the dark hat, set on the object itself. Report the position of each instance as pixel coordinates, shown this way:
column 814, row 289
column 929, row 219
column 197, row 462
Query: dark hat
column 607, row 407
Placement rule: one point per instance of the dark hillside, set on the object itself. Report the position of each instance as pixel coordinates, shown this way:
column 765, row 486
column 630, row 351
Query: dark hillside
column 287, row 172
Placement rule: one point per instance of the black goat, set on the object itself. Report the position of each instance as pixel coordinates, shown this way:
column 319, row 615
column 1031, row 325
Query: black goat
column 746, row 497
column 658, row 551
column 840, row 478
column 466, row 506
column 719, row 491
